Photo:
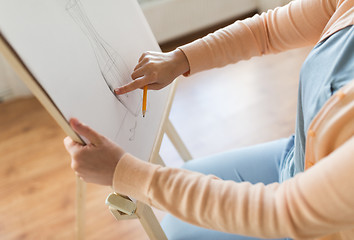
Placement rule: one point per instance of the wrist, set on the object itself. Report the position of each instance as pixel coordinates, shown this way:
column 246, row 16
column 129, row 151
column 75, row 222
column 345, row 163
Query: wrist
column 181, row 61
column 115, row 169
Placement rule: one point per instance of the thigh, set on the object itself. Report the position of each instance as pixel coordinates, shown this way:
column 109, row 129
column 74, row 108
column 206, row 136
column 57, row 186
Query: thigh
column 259, row 163
column 176, row 229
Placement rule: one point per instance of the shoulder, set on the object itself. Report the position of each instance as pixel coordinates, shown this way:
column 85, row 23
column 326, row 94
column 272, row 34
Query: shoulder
column 342, row 16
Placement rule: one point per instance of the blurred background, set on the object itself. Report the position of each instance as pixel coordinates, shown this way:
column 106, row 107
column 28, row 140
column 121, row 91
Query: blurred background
column 236, row 106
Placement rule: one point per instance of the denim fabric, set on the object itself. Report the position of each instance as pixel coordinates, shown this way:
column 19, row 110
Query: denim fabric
column 254, row 164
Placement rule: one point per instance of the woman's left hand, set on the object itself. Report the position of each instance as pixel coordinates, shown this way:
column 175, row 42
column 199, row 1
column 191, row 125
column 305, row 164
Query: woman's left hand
column 96, row 161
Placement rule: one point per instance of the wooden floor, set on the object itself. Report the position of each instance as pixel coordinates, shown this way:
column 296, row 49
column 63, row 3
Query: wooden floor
column 237, row 106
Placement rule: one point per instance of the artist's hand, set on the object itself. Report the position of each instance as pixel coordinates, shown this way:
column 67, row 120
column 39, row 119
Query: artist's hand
column 96, row 161
column 156, row 70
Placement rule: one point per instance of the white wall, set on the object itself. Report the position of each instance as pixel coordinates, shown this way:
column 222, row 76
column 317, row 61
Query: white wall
column 174, row 18
column 264, row 5
column 5, row 90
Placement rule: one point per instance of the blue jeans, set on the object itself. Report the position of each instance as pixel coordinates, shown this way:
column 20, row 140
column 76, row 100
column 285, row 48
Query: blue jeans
column 254, row 164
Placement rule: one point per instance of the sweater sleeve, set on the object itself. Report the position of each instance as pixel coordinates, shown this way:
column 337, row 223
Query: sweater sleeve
column 317, row 202
column 297, row 24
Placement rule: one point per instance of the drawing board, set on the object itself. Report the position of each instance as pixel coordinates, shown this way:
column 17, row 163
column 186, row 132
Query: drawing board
column 79, row 51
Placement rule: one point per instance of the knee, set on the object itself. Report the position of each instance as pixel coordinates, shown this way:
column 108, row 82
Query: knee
column 186, row 165
column 191, row 166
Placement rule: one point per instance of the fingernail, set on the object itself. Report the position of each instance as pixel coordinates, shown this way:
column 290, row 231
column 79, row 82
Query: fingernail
column 116, row 91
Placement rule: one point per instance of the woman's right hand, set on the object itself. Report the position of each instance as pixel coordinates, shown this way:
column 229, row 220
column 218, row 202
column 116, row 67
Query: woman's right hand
column 156, row 70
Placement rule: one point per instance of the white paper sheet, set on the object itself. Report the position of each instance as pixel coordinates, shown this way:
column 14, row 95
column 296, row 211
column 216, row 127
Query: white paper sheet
column 79, row 50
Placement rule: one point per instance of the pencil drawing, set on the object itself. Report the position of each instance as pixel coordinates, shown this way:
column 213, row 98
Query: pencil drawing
column 132, row 129
column 114, row 70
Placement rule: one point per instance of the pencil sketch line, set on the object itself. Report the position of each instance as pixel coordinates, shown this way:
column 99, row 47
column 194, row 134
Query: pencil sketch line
column 113, row 68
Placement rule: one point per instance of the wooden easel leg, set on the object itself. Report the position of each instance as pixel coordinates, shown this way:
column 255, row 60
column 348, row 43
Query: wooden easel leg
column 158, row 160
column 177, row 141
column 80, row 209
column 149, row 222
column 123, row 208
column 118, row 205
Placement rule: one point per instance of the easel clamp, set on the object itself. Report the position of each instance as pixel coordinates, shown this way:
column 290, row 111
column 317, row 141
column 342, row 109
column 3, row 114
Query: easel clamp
column 121, row 203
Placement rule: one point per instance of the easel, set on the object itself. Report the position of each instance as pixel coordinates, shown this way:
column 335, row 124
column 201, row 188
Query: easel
column 123, row 208
column 120, row 206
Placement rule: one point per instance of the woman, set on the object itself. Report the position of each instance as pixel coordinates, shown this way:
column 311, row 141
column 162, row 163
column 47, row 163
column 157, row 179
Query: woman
column 277, row 199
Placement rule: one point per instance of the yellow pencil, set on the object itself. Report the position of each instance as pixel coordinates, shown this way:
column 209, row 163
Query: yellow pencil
column 145, row 100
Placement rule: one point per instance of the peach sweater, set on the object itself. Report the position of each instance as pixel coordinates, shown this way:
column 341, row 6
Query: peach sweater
column 315, row 204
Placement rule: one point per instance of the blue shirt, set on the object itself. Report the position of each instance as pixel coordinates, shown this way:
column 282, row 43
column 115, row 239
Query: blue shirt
column 328, row 67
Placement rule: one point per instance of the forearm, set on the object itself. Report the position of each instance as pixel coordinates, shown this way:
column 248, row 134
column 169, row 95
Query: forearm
column 297, row 24
column 304, row 207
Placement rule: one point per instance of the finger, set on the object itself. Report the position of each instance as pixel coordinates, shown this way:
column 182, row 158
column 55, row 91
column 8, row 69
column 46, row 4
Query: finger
column 137, row 83
column 141, row 63
column 86, row 131
column 145, row 54
column 72, row 147
column 68, row 143
column 138, row 73
column 142, row 57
